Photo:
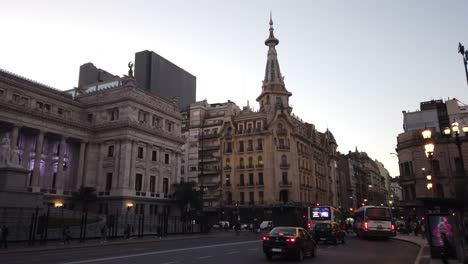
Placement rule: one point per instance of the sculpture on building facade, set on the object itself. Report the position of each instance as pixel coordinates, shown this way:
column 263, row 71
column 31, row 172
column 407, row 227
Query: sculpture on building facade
column 5, row 152
column 130, row 69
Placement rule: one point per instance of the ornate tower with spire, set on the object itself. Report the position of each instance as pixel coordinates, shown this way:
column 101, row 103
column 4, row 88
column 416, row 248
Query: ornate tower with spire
column 274, row 95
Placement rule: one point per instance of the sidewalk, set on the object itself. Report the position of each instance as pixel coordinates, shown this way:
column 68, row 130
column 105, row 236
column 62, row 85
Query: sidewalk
column 424, row 255
column 58, row 245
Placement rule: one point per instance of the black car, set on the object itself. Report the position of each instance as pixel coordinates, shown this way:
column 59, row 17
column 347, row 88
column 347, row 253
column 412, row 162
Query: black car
column 329, row 232
column 289, row 241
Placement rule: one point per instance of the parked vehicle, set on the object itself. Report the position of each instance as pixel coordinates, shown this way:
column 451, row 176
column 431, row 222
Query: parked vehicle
column 289, row 241
column 329, row 232
column 374, row 221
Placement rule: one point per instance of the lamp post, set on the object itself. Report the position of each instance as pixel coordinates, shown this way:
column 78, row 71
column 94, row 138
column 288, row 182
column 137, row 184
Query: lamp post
column 429, row 151
column 129, row 206
column 460, row 167
column 464, row 54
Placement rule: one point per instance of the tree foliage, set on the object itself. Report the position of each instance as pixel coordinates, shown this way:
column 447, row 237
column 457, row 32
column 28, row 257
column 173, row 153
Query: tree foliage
column 84, row 196
column 185, row 193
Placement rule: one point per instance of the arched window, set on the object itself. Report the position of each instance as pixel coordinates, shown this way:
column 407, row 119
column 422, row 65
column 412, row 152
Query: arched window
column 250, row 162
column 284, row 160
column 260, row 160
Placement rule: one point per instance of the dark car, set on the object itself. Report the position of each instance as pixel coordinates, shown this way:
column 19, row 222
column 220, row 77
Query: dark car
column 329, row 232
column 289, row 241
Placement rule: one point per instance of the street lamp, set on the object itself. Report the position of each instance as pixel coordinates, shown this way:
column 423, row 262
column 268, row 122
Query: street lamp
column 464, row 54
column 429, row 151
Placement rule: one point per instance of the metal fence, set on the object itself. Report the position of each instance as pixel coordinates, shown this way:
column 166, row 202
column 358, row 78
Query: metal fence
column 44, row 224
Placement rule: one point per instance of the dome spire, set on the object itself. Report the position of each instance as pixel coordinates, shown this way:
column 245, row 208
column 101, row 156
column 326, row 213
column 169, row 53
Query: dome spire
column 271, row 41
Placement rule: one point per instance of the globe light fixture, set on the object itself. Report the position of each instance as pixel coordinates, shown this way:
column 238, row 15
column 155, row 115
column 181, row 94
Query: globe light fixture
column 129, row 206
column 429, row 186
column 456, row 128
column 465, row 129
column 427, row 133
column 58, row 204
column 429, row 150
column 429, row 177
column 447, row 131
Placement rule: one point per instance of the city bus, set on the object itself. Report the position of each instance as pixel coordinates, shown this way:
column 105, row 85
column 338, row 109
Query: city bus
column 322, row 214
column 374, row 221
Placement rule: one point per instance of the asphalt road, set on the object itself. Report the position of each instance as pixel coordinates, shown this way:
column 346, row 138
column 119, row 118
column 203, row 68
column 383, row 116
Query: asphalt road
column 229, row 249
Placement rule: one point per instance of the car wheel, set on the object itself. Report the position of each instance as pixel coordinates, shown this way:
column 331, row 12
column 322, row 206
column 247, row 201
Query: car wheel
column 268, row 256
column 300, row 255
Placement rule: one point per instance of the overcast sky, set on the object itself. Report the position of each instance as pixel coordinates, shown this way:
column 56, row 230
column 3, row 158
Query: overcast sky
column 352, row 66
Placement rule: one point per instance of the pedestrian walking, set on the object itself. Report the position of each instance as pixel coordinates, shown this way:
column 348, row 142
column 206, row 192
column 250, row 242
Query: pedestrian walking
column 66, row 234
column 447, row 250
column 5, row 233
column 104, row 233
column 423, row 231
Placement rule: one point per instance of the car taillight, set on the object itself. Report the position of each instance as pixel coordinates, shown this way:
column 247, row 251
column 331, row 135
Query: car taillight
column 366, row 226
column 309, row 224
column 265, row 238
column 393, row 227
column 291, row 240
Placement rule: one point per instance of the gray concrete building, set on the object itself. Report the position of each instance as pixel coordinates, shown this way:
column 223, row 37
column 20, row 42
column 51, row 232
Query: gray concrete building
column 162, row 77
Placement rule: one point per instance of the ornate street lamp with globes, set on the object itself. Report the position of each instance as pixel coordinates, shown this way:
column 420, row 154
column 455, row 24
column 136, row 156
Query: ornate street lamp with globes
column 455, row 130
column 429, row 151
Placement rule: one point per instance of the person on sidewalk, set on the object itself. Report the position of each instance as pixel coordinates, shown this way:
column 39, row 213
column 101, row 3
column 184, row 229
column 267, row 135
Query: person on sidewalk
column 66, row 233
column 5, row 234
column 447, row 250
column 104, row 233
column 423, row 231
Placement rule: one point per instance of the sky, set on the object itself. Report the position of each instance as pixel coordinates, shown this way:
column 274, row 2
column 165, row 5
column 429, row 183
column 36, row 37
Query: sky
column 352, row 66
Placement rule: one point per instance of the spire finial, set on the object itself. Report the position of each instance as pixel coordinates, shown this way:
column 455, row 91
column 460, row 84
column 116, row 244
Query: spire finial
column 271, row 20
column 271, row 40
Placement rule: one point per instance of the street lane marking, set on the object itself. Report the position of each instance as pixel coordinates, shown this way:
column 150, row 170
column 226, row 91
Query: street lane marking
column 233, row 252
column 204, row 257
column 159, row 252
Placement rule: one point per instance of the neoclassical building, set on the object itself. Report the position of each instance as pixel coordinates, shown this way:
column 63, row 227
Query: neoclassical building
column 121, row 140
column 271, row 156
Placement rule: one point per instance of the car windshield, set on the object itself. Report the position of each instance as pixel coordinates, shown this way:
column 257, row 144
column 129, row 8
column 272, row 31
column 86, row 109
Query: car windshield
column 283, row 231
column 379, row 214
column 320, row 226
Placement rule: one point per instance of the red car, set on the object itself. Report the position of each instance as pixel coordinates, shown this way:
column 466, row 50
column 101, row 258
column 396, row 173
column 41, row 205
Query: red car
column 289, row 241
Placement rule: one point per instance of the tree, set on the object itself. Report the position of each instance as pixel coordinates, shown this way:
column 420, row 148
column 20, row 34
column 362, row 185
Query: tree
column 185, row 194
column 84, row 196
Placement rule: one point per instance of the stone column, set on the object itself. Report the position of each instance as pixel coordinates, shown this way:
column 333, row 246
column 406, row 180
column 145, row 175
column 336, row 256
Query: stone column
column 132, row 157
column 37, row 161
column 100, row 178
column 14, row 136
column 146, row 179
column 59, row 178
column 79, row 175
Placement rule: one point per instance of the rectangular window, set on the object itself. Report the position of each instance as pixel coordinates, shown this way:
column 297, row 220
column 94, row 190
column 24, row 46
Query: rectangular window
column 154, row 155
column 140, row 152
column 229, row 147
column 260, row 178
column 39, row 105
column 166, row 158
column 166, row 185
column 59, row 111
column 47, row 107
column 108, row 181
column 90, row 117
column 251, row 179
column 241, row 146
column 228, row 180
column 156, row 122
column 242, row 198
column 169, row 126
column 138, row 182
column 251, row 197
column 241, row 183
column 193, row 168
column 152, row 184
column 260, row 197
column 110, row 151
column 182, row 170
column 250, row 145
column 284, row 177
column 260, row 144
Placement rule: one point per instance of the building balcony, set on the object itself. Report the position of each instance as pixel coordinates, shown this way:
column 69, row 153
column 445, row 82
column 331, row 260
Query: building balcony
column 210, row 171
column 281, row 131
column 228, row 151
column 250, row 166
column 284, row 165
column 259, row 166
column 227, row 168
column 250, row 184
column 283, row 147
column 259, row 184
column 209, row 184
column 260, row 148
column 207, row 136
column 227, row 185
column 250, row 149
column 241, row 150
column 285, row 184
column 241, row 167
column 240, row 185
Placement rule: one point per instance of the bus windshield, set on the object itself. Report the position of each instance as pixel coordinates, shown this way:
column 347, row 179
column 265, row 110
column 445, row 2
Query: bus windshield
column 379, row 214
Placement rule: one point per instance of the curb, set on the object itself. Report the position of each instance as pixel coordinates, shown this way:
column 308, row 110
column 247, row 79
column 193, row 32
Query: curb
column 421, row 248
column 28, row 250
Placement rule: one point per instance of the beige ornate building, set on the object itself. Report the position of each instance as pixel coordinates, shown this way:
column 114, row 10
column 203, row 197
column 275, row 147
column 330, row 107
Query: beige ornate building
column 269, row 156
column 121, row 140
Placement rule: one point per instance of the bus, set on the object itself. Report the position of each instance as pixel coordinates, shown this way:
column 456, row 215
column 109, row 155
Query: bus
column 374, row 221
column 322, row 214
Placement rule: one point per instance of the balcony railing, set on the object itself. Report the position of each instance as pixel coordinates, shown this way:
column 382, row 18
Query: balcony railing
column 228, row 151
column 227, row 168
column 285, row 184
column 259, row 184
column 227, row 185
column 240, row 184
column 283, row 147
column 250, row 166
column 281, row 131
column 284, row 165
column 241, row 167
column 260, row 148
column 259, row 165
column 250, row 149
